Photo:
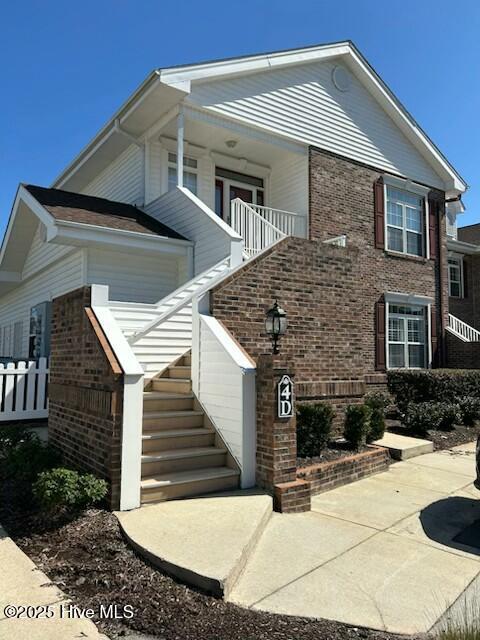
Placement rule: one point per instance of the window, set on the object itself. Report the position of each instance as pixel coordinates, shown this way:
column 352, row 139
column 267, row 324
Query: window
column 190, row 167
column 455, row 277
column 406, row 336
column 405, row 222
column 39, row 336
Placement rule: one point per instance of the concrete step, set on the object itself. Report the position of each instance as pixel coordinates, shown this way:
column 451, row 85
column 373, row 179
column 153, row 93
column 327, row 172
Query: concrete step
column 154, row 441
column 404, row 447
column 188, row 483
column 173, row 385
column 180, row 371
column 161, row 462
column 164, row 401
column 157, row 420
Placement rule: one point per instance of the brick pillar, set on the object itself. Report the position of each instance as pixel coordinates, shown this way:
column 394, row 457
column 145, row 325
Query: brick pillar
column 277, row 442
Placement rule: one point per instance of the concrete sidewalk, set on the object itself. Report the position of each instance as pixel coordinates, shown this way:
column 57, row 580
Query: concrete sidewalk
column 22, row 584
column 378, row 553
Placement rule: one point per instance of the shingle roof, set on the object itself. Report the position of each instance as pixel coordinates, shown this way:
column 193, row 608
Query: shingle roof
column 76, row 207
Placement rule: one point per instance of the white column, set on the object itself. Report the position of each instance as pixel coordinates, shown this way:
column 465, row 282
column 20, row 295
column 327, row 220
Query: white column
column 180, row 133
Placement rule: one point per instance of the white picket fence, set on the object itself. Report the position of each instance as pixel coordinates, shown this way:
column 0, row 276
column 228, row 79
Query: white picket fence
column 23, row 390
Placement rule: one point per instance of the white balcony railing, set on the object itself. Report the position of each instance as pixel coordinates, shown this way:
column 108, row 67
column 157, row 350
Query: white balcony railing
column 291, row 224
column 257, row 231
column 462, row 330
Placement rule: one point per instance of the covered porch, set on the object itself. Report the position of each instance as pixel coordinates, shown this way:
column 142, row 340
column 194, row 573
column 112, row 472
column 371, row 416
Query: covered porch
column 254, row 182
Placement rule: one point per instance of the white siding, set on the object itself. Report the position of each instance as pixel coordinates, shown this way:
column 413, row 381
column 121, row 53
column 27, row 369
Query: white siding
column 288, row 185
column 135, row 278
column 123, row 180
column 212, row 239
column 41, row 254
column 303, row 103
column 64, row 275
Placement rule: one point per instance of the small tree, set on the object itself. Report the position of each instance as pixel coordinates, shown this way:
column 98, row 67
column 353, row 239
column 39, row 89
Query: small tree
column 314, row 427
column 357, row 424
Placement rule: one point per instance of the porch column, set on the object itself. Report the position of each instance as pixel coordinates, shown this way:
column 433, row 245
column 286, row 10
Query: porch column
column 180, row 132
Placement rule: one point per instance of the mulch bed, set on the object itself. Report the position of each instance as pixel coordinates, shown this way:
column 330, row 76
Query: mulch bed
column 90, row 561
column 333, row 451
column 441, row 439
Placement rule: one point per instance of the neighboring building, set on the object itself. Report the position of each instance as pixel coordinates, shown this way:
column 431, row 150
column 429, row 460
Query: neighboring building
column 214, row 190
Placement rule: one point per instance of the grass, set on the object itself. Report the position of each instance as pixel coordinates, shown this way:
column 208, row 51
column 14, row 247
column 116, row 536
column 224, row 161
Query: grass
column 463, row 623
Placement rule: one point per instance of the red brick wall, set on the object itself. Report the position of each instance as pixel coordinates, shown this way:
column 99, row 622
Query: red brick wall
column 462, row 355
column 468, row 307
column 342, row 201
column 85, row 391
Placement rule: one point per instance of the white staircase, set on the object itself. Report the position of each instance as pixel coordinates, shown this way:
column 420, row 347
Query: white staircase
column 182, row 454
column 160, row 333
column 462, row 330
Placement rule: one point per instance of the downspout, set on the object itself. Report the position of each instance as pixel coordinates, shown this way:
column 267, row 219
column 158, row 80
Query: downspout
column 441, row 250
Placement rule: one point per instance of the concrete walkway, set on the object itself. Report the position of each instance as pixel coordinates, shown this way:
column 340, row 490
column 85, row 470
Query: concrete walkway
column 22, row 584
column 378, row 553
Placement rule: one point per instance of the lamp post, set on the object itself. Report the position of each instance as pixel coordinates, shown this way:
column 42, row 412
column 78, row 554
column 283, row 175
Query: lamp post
column 275, row 324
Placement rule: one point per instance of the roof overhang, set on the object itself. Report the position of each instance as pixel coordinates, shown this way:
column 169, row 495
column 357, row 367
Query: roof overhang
column 164, row 89
column 462, row 247
column 27, row 213
column 152, row 100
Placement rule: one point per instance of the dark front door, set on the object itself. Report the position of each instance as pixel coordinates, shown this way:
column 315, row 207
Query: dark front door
column 239, row 192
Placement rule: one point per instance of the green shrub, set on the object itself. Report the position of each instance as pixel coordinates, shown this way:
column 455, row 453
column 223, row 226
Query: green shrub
column 432, row 385
column 470, row 410
column 12, row 436
column 422, row 417
column 65, row 489
column 357, row 424
column 377, row 402
column 29, row 457
column 314, row 426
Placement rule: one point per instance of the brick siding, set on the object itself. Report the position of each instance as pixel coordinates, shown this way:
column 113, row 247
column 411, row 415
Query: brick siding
column 85, row 391
column 462, row 355
column 328, row 475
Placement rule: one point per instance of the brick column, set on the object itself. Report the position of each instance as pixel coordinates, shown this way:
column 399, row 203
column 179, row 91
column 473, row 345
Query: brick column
column 277, row 442
column 85, row 392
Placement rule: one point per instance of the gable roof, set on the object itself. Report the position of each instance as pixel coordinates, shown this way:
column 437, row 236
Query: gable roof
column 165, row 88
column 76, row 207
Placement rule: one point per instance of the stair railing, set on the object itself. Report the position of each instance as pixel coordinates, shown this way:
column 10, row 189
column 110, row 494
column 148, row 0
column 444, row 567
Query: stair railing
column 462, row 330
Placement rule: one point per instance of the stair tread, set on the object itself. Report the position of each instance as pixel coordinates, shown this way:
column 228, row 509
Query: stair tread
column 172, row 379
column 173, row 454
column 179, row 366
column 165, row 395
column 173, row 433
column 181, row 477
column 179, row 413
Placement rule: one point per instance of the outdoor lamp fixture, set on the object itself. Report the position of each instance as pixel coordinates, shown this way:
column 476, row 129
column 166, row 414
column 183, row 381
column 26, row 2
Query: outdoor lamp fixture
column 275, row 324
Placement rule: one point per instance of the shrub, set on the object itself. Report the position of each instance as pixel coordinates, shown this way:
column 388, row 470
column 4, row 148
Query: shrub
column 421, row 417
column 12, row 436
column 470, row 410
column 432, row 385
column 377, row 402
column 29, row 457
column 65, row 489
column 314, row 426
column 357, row 424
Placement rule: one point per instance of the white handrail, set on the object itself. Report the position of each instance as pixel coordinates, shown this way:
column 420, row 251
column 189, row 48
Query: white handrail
column 257, row 232
column 165, row 315
column 462, row 330
column 286, row 221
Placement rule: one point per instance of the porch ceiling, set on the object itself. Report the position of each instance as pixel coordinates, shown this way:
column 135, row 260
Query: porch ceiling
column 253, row 146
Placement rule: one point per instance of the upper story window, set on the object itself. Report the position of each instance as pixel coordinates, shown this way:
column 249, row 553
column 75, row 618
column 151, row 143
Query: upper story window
column 405, row 222
column 190, row 171
column 455, row 277
column 406, row 336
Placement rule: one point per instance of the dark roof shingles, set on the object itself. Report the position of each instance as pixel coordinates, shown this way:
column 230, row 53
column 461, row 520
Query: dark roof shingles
column 76, row 207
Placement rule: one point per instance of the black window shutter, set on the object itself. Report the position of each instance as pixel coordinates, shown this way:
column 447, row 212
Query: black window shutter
column 379, row 199
column 380, row 342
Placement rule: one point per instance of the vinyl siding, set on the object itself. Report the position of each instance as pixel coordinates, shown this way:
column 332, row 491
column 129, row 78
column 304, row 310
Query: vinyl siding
column 135, row 278
column 288, row 187
column 41, row 254
column 176, row 210
column 303, row 103
column 122, row 180
column 60, row 277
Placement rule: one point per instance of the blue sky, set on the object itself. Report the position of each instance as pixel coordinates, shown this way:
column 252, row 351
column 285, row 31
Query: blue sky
column 66, row 66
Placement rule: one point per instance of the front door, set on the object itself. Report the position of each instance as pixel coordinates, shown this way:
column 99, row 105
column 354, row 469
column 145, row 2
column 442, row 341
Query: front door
column 240, row 192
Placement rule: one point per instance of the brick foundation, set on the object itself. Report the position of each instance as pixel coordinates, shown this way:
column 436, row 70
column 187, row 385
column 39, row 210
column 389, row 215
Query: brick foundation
column 328, row 475
column 462, row 355
column 85, row 391
column 292, row 497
